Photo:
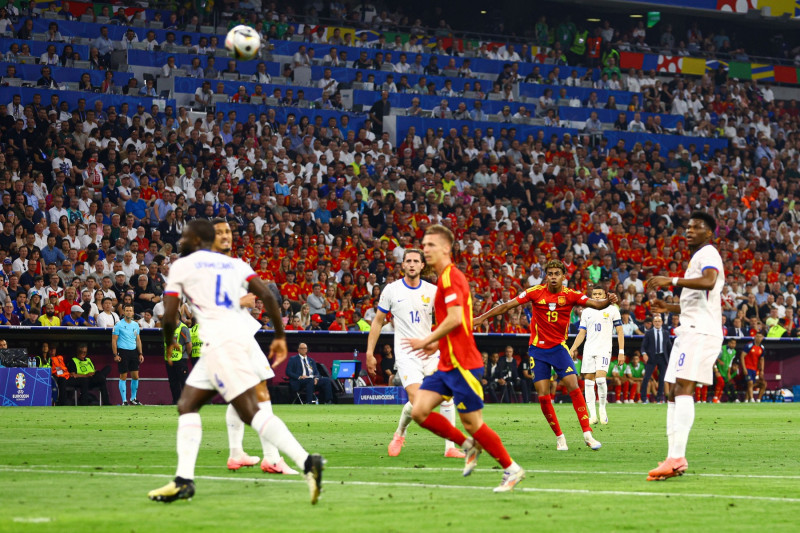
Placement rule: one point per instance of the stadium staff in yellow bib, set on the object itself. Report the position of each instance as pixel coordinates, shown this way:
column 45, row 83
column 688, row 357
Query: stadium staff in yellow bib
column 197, row 344
column 87, row 377
column 177, row 361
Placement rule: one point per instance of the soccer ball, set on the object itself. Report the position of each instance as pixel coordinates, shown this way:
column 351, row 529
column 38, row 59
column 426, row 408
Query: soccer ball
column 243, row 42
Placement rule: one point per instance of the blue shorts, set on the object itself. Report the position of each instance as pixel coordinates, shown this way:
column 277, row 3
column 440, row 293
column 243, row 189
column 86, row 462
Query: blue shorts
column 464, row 386
column 751, row 375
column 545, row 360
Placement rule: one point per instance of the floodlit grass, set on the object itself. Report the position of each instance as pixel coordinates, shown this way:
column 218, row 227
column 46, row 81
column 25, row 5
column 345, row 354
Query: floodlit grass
column 89, row 469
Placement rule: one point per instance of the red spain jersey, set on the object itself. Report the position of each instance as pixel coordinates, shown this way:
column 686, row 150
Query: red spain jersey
column 752, row 356
column 550, row 322
column 457, row 348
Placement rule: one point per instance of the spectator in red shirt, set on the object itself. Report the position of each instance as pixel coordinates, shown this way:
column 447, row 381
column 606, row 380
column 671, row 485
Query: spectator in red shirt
column 340, row 324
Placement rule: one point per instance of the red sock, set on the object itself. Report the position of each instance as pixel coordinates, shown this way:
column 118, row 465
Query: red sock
column 638, row 396
column 546, row 403
column 579, row 404
column 617, row 392
column 491, row 442
column 439, row 425
column 626, row 391
column 720, row 385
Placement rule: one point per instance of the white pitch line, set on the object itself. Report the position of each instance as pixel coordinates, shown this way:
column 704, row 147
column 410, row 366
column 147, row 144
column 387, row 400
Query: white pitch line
column 451, row 469
column 423, row 485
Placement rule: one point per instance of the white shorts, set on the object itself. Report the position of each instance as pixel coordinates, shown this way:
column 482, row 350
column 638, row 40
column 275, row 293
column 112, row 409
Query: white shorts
column 692, row 358
column 594, row 363
column 260, row 362
column 226, row 368
column 412, row 370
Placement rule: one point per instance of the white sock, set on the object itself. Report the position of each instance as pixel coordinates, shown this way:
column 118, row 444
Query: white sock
column 271, row 454
column 602, row 392
column 271, row 429
column 684, row 418
column 448, row 410
column 513, row 468
column 589, row 393
column 235, row 432
column 670, row 427
column 190, row 433
column 405, row 419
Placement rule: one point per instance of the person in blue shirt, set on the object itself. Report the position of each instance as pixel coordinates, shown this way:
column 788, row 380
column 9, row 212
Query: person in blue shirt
column 52, row 254
column 126, row 345
column 75, row 318
column 136, row 206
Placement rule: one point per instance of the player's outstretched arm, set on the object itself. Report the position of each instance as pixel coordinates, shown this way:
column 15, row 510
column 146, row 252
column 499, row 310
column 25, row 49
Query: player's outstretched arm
column 705, row 282
column 372, row 340
column 660, row 306
column 493, row 312
column 277, row 350
column 602, row 304
column 577, row 342
column 621, row 343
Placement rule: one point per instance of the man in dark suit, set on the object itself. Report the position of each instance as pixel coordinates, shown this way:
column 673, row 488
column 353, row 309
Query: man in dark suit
column 303, row 375
column 506, row 376
column 656, row 347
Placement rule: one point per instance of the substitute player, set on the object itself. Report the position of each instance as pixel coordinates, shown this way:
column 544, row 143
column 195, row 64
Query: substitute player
column 552, row 304
column 410, row 301
column 273, row 463
column 725, row 372
column 460, row 368
column 753, row 369
column 635, row 374
column 212, row 283
column 597, row 328
column 698, row 338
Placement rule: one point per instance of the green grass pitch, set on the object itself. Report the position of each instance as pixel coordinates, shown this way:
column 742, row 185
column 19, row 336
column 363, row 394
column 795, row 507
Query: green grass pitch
column 89, row 469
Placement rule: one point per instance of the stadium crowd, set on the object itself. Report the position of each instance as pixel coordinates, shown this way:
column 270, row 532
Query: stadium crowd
column 94, row 201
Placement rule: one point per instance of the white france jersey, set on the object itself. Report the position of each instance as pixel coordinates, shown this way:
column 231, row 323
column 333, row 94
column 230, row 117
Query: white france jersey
column 213, row 283
column 412, row 311
column 600, row 327
column 701, row 311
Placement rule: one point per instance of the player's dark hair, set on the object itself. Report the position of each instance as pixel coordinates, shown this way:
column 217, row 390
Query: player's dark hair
column 218, row 220
column 414, row 251
column 598, row 287
column 444, row 231
column 203, row 229
column 705, row 218
column 555, row 263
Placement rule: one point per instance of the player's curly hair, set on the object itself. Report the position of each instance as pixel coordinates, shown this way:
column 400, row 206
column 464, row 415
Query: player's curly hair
column 555, row 263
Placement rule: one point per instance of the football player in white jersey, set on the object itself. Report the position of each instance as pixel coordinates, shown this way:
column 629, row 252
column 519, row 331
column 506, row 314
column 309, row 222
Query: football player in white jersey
column 698, row 339
column 213, row 284
column 410, row 301
column 273, row 463
column 596, row 327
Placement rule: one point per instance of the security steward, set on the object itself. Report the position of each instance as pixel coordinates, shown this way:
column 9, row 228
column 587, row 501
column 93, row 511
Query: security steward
column 87, row 377
column 177, row 361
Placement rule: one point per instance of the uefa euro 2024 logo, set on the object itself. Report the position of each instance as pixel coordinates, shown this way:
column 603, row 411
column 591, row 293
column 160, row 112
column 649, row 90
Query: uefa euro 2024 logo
column 20, row 381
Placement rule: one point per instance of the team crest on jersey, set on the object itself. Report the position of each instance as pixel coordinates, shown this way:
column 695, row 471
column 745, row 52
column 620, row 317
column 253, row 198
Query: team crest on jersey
column 426, row 299
column 562, row 300
column 552, row 306
column 605, row 315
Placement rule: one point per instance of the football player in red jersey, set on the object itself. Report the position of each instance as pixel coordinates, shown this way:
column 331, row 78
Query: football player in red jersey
column 552, row 305
column 753, row 369
column 460, row 368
